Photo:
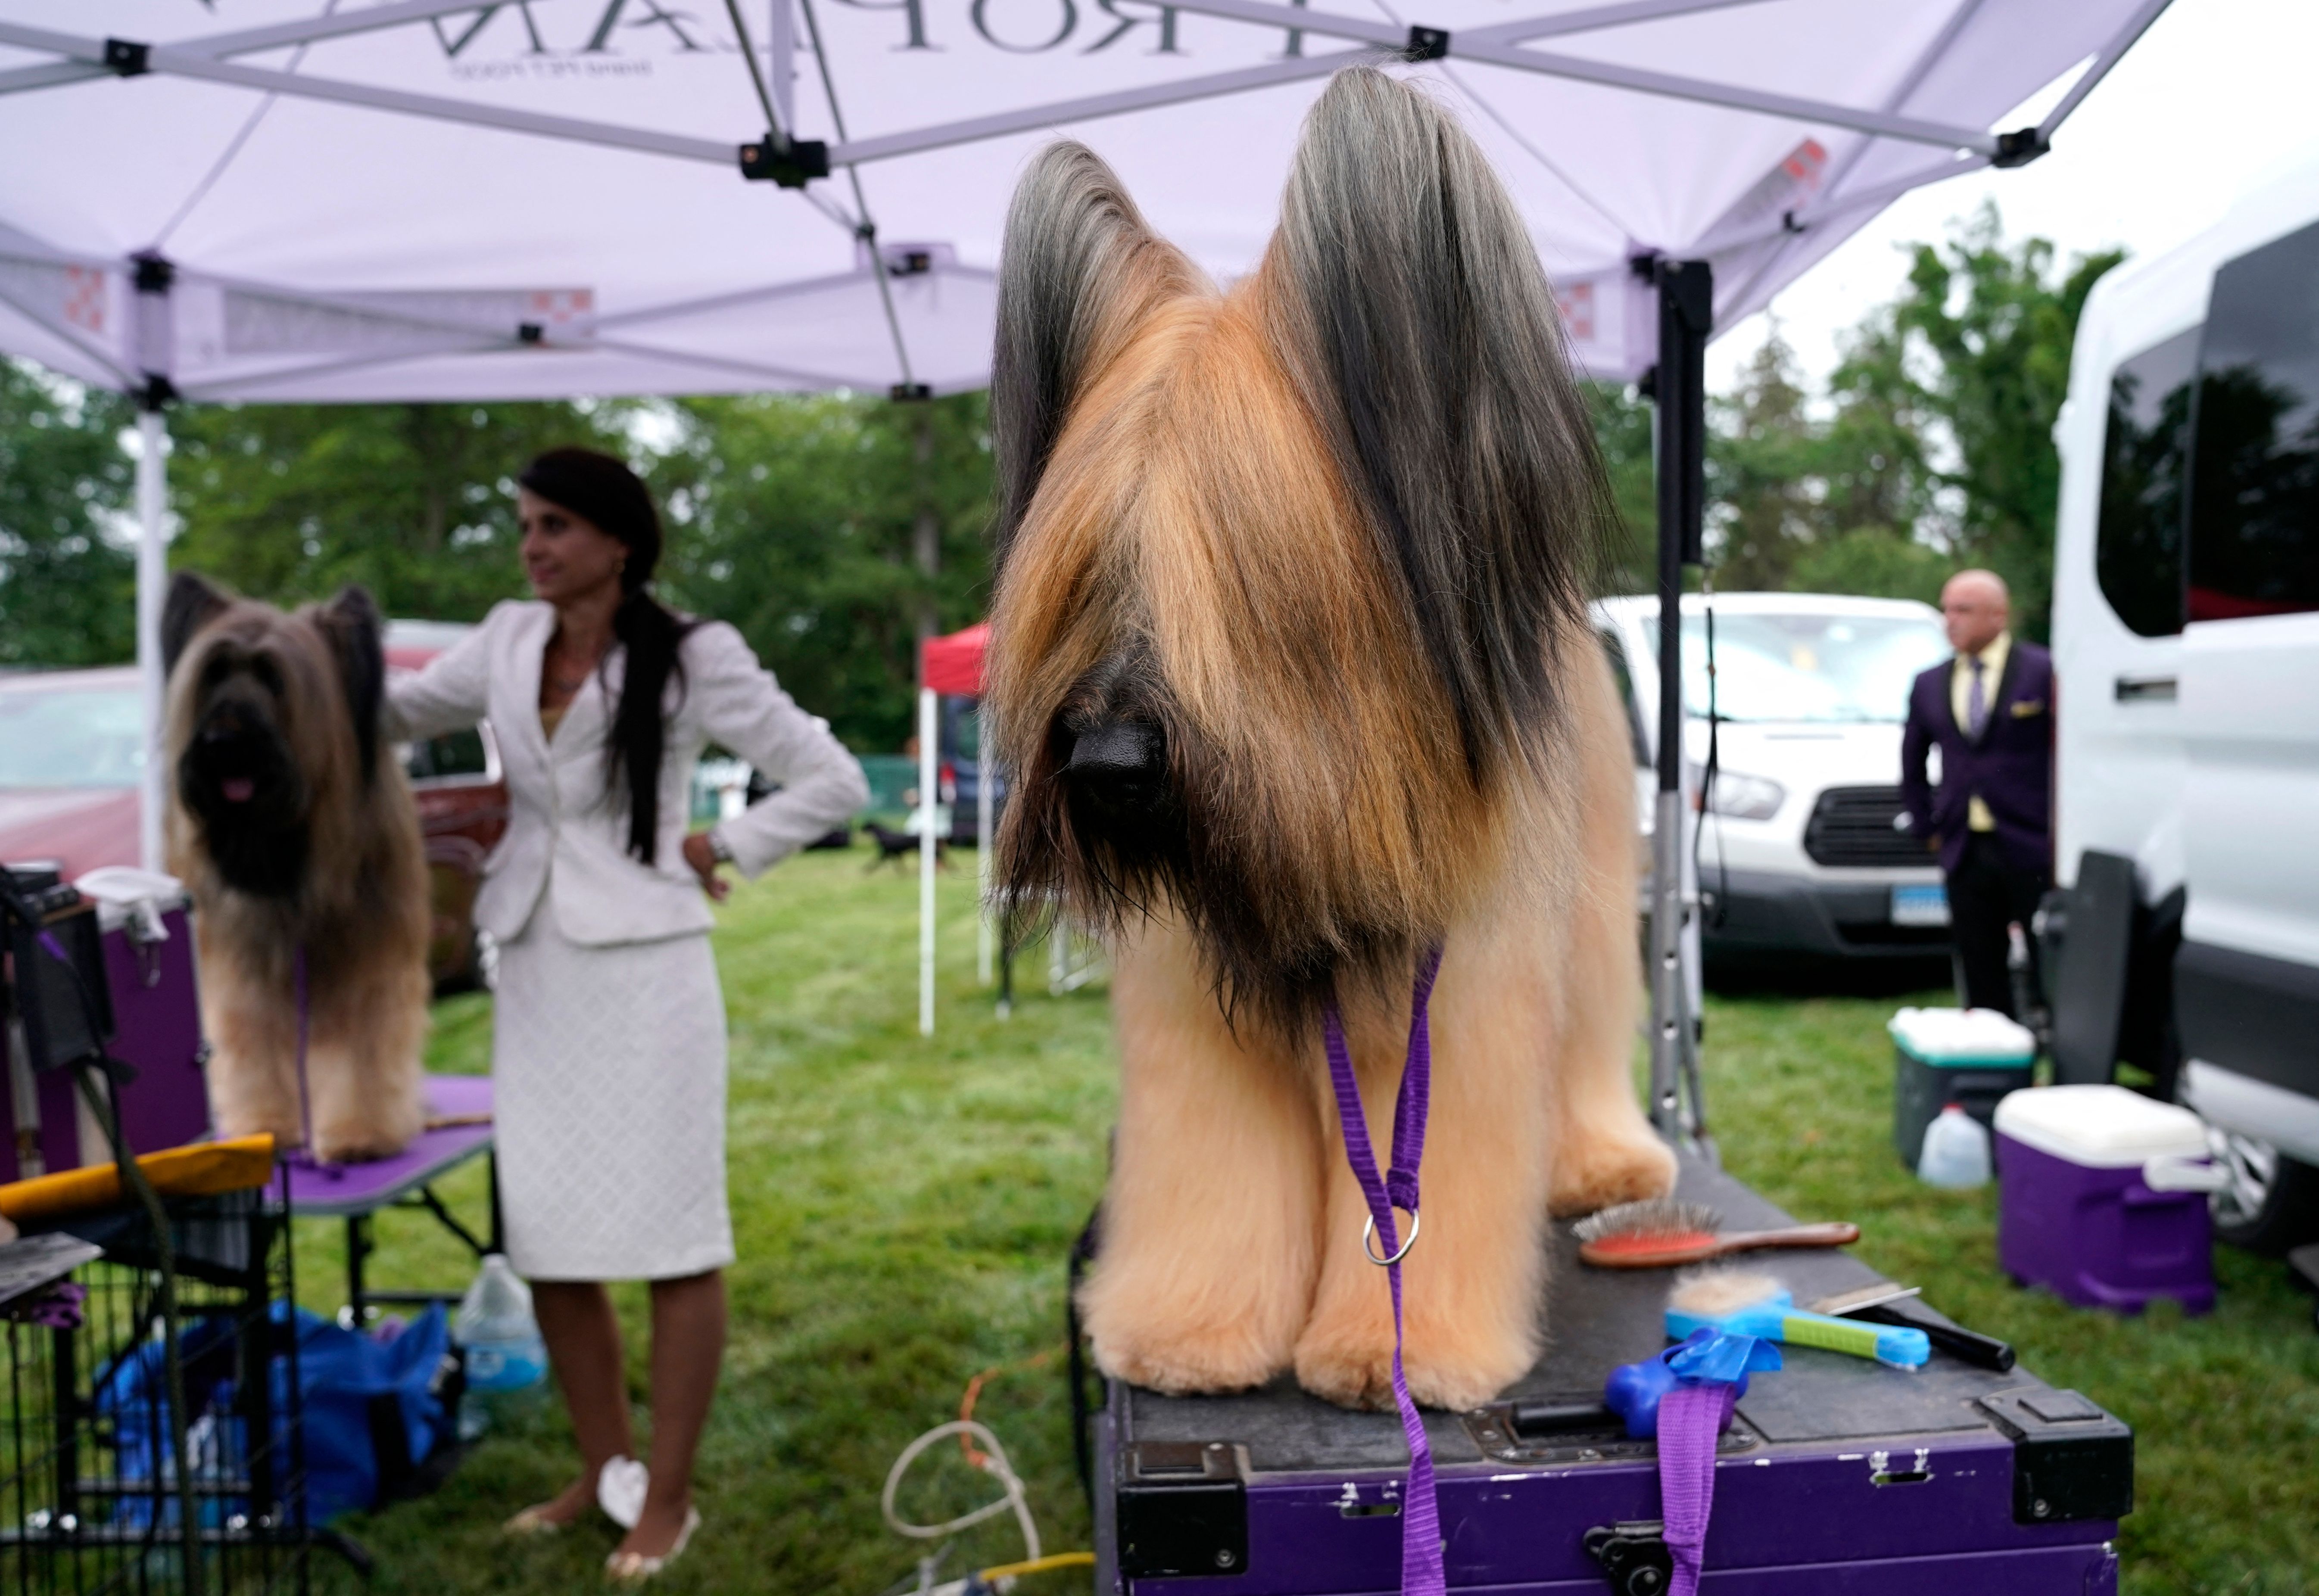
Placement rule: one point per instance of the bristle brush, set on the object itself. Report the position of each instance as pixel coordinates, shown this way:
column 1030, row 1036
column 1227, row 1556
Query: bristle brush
column 1742, row 1304
column 1662, row 1233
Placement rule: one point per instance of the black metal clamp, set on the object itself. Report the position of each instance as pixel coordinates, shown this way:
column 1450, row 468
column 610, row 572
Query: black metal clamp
column 791, row 162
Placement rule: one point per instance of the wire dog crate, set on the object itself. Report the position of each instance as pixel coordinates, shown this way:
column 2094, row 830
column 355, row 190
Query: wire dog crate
column 89, row 1495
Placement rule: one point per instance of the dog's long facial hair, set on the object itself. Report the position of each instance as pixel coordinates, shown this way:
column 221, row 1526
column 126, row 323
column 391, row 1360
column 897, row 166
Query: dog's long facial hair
column 1286, row 572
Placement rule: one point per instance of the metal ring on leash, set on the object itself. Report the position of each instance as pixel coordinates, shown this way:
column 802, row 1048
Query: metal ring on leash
column 1368, row 1228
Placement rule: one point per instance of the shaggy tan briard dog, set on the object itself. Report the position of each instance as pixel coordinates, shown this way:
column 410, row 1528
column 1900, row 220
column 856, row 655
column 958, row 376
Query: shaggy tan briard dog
column 294, row 827
column 1291, row 661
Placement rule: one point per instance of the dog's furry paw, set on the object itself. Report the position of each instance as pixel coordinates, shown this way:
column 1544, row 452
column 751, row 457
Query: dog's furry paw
column 1185, row 1363
column 1599, row 1172
column 1357, row 1372
column 1350, row 1366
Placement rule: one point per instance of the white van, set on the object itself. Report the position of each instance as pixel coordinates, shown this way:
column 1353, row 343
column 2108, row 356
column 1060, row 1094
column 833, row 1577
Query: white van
column 1804, row 849
column 2184, row 935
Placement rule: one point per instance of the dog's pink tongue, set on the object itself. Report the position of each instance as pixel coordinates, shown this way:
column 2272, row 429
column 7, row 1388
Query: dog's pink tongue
column 236, row 788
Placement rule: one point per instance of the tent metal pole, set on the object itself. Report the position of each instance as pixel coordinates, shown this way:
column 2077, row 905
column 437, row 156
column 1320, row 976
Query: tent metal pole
column 152, row 586
column 181, row 63
column 2111, row 54
column 1598, row 17
column 1686, row 296
column 1915, row 130
column 1033, row 119
column 1464, row 47
column 929, row 776
column 250, row 40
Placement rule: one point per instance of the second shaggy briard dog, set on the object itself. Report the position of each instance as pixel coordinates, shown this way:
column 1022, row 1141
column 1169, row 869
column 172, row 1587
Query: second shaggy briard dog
column 1291, row 662
column 292, row 826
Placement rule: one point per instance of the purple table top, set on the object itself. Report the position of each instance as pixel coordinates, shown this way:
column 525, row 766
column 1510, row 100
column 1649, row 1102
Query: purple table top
column 342, row 1189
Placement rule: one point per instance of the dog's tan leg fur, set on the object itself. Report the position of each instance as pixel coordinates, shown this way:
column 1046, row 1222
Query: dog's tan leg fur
column 251, row 1023
column 363, row 1062
column 1473, row 1281
column 1604, row 1150
column 1210, row 1218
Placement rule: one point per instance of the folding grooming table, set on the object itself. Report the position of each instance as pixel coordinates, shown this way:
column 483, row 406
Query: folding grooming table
column 1838, row 1475
column 357, row 1191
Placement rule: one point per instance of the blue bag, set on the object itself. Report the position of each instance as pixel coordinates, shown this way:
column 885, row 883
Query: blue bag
column 377, row 1412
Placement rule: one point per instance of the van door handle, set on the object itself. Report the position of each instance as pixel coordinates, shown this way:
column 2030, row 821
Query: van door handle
column 2140, row 689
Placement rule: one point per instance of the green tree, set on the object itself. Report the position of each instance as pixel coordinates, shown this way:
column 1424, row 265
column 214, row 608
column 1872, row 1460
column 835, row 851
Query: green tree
column 798, row 519
column 67, row 591
column 288, row 502
column 1764, row 472
column 1629, row 561
column 1997, row 322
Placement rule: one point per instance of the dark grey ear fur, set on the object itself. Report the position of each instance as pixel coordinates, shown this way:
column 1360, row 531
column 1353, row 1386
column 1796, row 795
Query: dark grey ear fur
column 355, row 632
column 1408, row 297
column 191, row 604
column 1076, row 267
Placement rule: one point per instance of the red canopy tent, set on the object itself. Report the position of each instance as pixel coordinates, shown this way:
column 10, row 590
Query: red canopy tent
column 953, row 665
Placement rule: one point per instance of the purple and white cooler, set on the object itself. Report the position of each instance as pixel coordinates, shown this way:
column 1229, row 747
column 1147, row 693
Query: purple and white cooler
column 2104, row 1197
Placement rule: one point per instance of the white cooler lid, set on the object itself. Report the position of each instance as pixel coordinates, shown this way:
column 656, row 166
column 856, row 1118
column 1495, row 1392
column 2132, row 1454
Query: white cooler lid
column 1951, row 1037
column 2100, row 1127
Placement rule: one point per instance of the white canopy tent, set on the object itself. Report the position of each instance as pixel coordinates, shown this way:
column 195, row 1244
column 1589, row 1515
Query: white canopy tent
column 443, row 199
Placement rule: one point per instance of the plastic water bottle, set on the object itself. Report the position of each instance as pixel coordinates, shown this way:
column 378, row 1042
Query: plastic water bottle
column 504, row 1350
column 1955, row 1151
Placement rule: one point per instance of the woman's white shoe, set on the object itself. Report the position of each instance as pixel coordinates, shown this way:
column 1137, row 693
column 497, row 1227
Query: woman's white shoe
column 634, row 1568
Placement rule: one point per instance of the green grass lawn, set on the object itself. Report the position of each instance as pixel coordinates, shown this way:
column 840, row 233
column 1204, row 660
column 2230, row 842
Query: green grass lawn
column 903, row 1204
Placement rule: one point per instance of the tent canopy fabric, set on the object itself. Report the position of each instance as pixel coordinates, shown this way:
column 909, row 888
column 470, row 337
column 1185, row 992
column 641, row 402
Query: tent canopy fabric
column 442, row 199
column 953, row 665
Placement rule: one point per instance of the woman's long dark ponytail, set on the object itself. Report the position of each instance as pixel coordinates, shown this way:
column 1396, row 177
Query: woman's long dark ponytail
column 601, row 488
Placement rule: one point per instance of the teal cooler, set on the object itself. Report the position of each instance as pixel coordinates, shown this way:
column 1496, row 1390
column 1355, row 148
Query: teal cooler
column 1968, row 1057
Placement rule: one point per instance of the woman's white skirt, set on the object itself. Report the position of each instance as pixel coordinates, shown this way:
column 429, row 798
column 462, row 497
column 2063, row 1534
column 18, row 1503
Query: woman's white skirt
column 607, row 1106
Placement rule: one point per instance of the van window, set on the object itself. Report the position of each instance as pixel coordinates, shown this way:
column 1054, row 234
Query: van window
column 2138, row 548
column 2255, row 477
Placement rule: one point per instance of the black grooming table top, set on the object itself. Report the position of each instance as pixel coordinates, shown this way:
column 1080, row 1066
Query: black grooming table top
column 1597, row 1319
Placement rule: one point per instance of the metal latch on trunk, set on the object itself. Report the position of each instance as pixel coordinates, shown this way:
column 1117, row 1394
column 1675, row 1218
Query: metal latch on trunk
column 1183, row 1509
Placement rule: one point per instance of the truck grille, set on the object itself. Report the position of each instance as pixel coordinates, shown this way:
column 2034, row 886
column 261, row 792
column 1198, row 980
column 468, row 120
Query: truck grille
column 1853, row 825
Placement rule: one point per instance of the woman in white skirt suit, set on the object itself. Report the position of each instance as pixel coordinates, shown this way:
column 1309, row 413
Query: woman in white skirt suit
column 607, row 1045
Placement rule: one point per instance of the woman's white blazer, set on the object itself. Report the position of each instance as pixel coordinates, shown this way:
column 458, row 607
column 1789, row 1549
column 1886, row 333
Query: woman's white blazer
column 565, row 843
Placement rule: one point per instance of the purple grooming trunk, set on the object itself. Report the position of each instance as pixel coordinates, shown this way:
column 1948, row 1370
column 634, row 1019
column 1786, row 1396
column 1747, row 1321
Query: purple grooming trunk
column 157, row 1026
column 2100, row 1238
column 1838, row 1475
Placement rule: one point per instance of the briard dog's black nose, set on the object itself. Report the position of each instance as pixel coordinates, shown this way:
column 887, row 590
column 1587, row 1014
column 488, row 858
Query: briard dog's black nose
column 1120, row 766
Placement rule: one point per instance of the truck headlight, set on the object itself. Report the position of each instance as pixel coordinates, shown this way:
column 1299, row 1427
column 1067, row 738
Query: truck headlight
column 1738, row 796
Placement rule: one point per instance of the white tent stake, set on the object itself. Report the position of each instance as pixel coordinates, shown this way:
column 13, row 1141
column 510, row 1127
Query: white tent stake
column 152, row 583
column 929, row 771
column 986, row 934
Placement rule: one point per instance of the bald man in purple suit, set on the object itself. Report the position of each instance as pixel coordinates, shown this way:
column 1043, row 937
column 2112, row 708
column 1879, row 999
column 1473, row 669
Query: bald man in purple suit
column 1990, row 710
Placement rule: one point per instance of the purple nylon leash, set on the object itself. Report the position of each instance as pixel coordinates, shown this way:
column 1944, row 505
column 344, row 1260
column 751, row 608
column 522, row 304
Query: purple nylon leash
column 1689, row 1419
column 1421, row 1571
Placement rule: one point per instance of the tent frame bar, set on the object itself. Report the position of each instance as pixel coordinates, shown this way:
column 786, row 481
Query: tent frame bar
column 2109, row 56
column 1489, row 46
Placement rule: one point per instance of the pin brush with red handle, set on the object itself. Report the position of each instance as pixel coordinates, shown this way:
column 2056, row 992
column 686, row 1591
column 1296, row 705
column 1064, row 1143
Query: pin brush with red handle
column 1661, row 1232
